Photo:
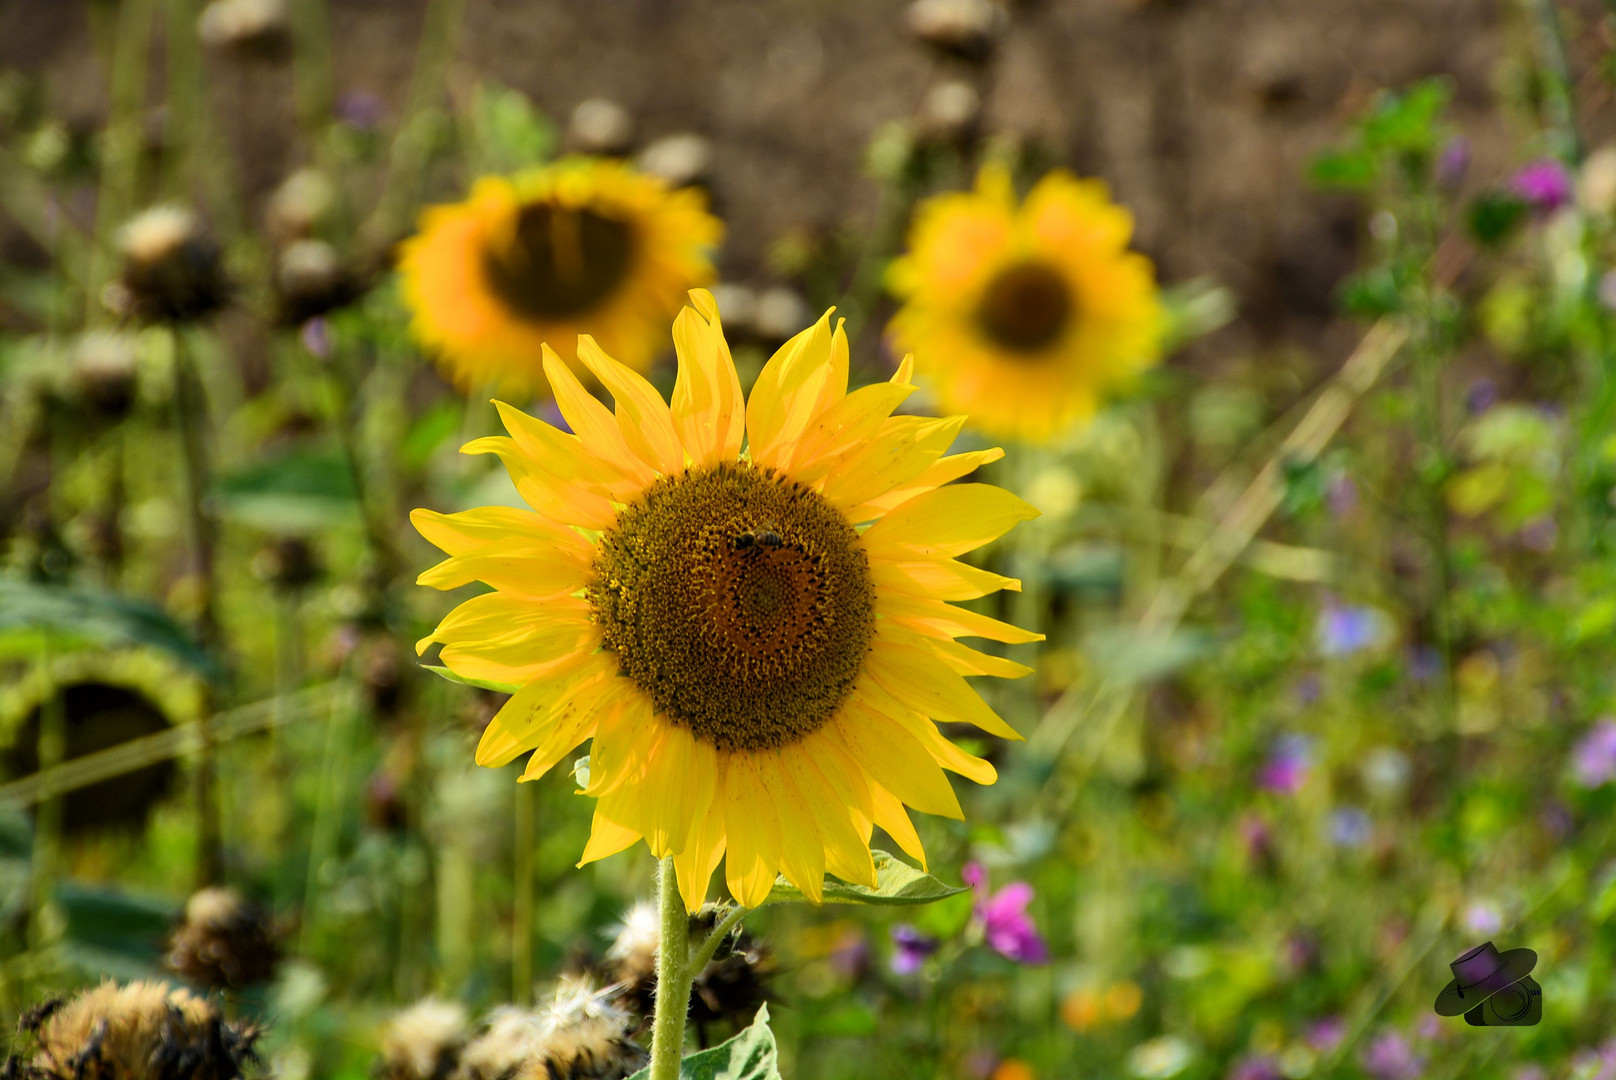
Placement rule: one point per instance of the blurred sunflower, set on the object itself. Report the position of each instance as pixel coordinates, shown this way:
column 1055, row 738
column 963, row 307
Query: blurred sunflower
column 1027, row 314
column 583, row 244
column 758, row 642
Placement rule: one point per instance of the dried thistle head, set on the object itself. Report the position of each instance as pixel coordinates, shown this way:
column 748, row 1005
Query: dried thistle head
column 104, row 373
column 312, row 279
column 171, row 269
column 225, row 941
column 579, row 1034
column 587, row 1037
column 731, row 987
column 423, row 1042
column 968, row 29
column 247, row 27
column 142, row 1031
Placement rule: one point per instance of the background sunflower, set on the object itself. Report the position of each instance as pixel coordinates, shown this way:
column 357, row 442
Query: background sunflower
column 1025, row 315
column 581, row 245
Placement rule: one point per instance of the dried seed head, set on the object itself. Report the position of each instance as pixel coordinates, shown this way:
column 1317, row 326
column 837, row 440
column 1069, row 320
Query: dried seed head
column 683, row 160
column 730, row 988
column 951, row 113
column 602, row 127
column 512, row 1037
column 300, row 203
column 104, row 373
column 631, row 959
column 288, row 563
column 171, row 270
column 968, row 29
column 225, row 942
column 587, row 1037
column 311, row 279
column 251, row 27
column 142, row 1031
column 423, row 1042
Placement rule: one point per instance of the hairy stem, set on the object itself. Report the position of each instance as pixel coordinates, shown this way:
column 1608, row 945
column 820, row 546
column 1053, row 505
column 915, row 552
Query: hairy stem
column 674, row 972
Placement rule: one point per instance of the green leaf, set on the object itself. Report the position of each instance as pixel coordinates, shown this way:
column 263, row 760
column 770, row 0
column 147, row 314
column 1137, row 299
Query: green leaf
column 303, row 491
column 484, row 684
column 897, row 884
column 68, row 617
column 751, row 1055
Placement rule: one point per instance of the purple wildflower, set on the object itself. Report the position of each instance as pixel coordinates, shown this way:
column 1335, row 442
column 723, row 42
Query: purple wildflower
column 1544, row 185
column 1287, row 766
column 1342, row 496
column 1326, row 1034
column 1452, row 163
column 316, row 337
column 910, row 948
column 1258, row 1067
column 1593, row 761
column 1389, row 1057
column 1349, row 827
column 1343, row 631
column 1006, row 926
column 1482, row 395
column 361, row 109
column 1482, row 918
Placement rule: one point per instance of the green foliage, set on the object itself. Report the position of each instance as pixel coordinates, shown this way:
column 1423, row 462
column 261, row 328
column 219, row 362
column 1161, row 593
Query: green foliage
column 1401, row 129
column 897, row 884
column 63, row 618
column 302, row 491
column 751, row 1055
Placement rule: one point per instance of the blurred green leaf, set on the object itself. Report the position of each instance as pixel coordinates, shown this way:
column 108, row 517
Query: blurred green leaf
column 1195, row 309
column 751, row 1055
column 1346, row 170
column 897, row 884
column 1493, row 216
column 113, row 932
column 511, row 134
column 71, row 618
column 303, row 491
column 1130, row 655
column 483, row 684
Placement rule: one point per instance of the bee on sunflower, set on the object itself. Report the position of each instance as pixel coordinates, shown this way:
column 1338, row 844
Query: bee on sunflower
column 580, row 243
column 1028, row 313
column 759, row 641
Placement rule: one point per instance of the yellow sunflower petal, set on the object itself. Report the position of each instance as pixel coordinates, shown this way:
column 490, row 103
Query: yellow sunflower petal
column 752, row 826
column 488, row 525
column 847, row 853
column 945, row 753
column 942, row 471
column 936, row 619
column 785, row 393
column 802, row 848
column 708, row 410
column 898, row 762
column 916, row 677
column 527, row 718
column 563, row 457
column 537, row 573
column 891, row 816
column 642, row 415
column 696, row 863
column 904, row 448
column 571, row 504
column 951, row 520
column 943, row 579
column 591, row 421
column 612, row 830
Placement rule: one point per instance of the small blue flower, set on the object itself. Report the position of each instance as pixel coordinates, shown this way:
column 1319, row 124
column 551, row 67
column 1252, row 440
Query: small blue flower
column 1349, row 827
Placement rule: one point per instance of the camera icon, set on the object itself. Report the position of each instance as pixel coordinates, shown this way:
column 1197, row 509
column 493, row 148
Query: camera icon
column 1517, row 1005
column 1493, row 989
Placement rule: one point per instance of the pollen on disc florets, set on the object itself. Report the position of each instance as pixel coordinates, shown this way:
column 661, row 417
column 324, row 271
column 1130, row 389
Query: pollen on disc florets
column 739, row 600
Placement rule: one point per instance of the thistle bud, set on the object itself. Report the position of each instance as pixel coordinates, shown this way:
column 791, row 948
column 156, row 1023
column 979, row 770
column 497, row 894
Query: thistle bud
column 601, row 127
column 171, row 270
column 300, row 203
column 423, row 1042
column 142, row 1031
column 225, row 942
column 968, row 29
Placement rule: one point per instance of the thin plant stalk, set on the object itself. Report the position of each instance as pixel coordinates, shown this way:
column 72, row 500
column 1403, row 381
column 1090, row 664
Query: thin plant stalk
column 44, row 921
column 327, row 813
column 120, row 169
column 189, row 420
column 527, row 812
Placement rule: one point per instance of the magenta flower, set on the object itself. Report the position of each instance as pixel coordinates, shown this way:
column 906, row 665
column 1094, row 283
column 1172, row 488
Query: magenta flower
column 1006, row 926
column 1544, row 185
column 1390, row 1057
column 1287, row 766
column 1593, row 761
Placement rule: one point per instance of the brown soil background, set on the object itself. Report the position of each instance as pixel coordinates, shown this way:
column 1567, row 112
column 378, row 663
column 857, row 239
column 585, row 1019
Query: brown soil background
column 1201, row 114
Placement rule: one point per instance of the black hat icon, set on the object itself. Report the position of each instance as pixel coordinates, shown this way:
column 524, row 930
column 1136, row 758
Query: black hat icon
column 1481, row 973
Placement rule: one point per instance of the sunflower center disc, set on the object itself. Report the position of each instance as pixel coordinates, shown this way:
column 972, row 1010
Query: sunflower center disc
column 559, row 262
column 740, row 601
column 1025, row 307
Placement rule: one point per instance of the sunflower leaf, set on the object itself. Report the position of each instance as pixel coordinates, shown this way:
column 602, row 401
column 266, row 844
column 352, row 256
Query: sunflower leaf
column 897, row 884
column 483, row 684
column 751, row 1055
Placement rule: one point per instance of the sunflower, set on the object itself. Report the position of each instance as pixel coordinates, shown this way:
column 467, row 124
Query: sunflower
column 1028, row 313
column 583, row 243
column 758, row 642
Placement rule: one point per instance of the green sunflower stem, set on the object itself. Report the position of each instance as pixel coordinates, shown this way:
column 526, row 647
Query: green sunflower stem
column 674, row 973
